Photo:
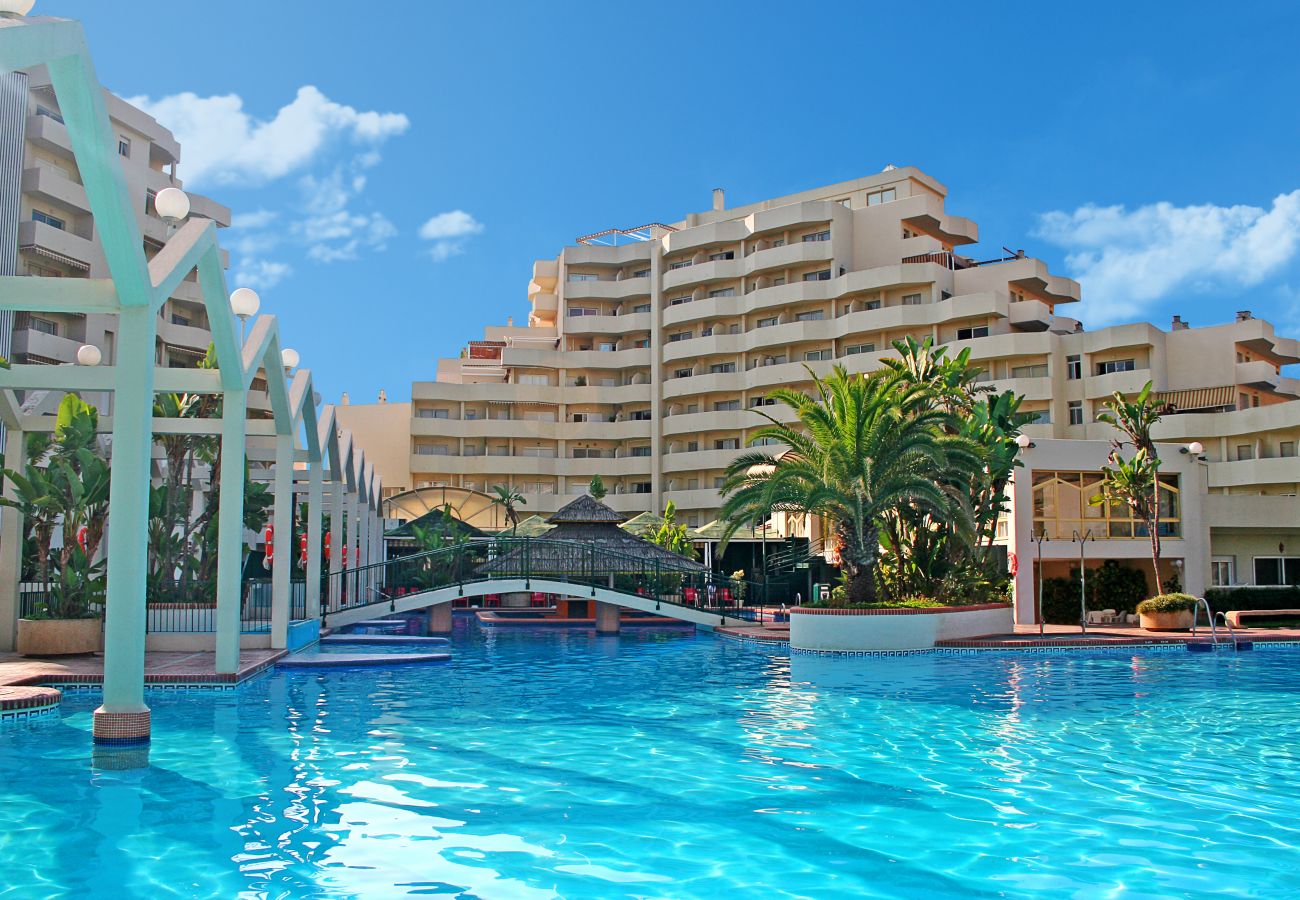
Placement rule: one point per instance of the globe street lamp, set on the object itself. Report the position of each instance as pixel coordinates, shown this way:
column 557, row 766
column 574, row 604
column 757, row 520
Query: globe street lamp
column 244, row 303
column 289, row 358
column 89, row 355
column 172, row 205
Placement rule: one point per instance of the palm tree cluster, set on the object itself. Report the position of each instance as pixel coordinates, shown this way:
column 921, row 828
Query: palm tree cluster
column 907, row 466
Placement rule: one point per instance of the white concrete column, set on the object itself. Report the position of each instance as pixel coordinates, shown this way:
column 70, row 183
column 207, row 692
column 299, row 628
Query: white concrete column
column 337, row 537
column 230, row 530
column 314, row 533
column 282, row 565
column 11, row 542
column 124, row 716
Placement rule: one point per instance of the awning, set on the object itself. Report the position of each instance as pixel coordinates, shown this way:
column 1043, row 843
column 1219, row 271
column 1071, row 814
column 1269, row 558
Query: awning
column 57, row 257
column 1201, row 398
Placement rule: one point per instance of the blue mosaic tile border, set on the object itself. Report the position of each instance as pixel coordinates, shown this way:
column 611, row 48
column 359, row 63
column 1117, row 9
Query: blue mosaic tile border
column 168, row 686
column 34, row 712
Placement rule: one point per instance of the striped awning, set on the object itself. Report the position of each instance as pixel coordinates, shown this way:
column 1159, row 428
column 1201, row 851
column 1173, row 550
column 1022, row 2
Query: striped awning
column 1201, row 398
column 57, row 257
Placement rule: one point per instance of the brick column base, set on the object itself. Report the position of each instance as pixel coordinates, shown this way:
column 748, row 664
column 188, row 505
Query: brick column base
column 607, row 618
column 440, row 619
column 121, row 729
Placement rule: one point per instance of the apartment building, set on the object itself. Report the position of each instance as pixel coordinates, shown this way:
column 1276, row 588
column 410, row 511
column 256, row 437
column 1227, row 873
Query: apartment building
column 646, row 351
column 46, row 215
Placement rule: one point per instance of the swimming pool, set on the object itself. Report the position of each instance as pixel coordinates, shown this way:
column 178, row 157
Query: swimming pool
column 669, row 764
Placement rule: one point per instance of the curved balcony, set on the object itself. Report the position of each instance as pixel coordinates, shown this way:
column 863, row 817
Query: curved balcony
column 700, row 460
column 50, row 184
column 728, row 231
column 606, row 290
column 792, row 215
column 924, row 212
column 632, row 322
column 598, row 255
column 716, row 420
column 1252, row 472
column 700, row 498
column 701, row 273
column 599, row 394
column 796, row 254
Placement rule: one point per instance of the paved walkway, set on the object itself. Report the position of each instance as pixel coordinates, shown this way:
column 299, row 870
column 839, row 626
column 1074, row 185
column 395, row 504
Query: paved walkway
column 1115, row 635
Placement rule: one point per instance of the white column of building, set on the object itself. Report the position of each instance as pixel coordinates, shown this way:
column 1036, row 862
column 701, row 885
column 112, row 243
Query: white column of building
column 123, row 715
column 337, row 537
column 315, row 509
column 282, row 565
column 11, row 543
column 354, row 545
column 230, row 530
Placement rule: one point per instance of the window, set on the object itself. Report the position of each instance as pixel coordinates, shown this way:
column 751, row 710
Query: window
column 44, row 326
column 583, row 311
column 911, row 299
column 1275, row 571
column 124, row 146
column 1221, row 571
column 727, row 444
column 587, row 453
column 640, row 487
column 975, row 331
column 641, row 273
column 641, row 415
column 692, row 446
column 1061, row 506
column 49, row 114
column 778, row 242
column 718, row 482
column 814, row 355
column 726, row 405
column 1076, row 412
column 817, row 236
column 1245, row 451
column 872, row 304
column 1115, row 365
column 426, row 413
column 762, row 401
column 681, row 373
column 1035, row 371
column 722, row 368
column 766, row 442
column 680, row 264
column 878, row 197
column 855, row 349
column 1286, row 448
column 726, row 254
column 1074, row 367
column 641, row 307
column 680, row 336
column 723, row 292
column 823, row 275
column 770, row 320
column 533, row 379
column 641, row 451
column 431, row 450
column 678, row 301
column 538, row 452
column 778, row 281
column 583, row 276
column 815, row 315
column 46, row 218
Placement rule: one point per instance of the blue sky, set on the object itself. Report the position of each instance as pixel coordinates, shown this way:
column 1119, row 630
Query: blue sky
column 395, row 168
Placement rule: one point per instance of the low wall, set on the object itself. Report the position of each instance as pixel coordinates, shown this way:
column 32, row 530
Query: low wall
column 856, row 630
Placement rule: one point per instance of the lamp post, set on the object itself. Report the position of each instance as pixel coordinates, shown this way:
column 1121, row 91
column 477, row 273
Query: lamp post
column 289, row 359
column 1038, row 539
column 244, row 303
column 1083, row 578
column 173, row 206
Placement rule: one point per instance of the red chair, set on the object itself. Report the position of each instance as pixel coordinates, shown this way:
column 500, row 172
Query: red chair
column 492, row 601
column 726, row 595
column 690, row 595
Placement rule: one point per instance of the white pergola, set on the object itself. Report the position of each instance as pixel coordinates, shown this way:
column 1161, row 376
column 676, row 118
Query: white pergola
column 303, row 443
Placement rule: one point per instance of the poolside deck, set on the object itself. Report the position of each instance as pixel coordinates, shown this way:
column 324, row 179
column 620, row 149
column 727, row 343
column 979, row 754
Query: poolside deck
column 1115, row 636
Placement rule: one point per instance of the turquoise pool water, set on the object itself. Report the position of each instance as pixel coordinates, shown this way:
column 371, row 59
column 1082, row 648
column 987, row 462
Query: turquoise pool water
column 673, row 765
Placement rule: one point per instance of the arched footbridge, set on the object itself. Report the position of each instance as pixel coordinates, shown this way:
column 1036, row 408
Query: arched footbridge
column 510, row 565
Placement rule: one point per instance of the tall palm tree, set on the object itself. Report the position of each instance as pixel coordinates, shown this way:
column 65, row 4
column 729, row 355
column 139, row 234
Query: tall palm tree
column 862, row 447
column 508, row 499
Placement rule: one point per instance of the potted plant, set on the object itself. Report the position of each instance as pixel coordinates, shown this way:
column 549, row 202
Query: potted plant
column 69, row 492
column 1167, row 612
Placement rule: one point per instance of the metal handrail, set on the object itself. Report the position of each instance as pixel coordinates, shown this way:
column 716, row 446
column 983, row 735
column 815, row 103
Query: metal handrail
column 1209, row 614
column 1232, row 632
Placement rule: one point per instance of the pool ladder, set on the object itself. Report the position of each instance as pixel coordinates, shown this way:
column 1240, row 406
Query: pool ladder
column 1211, row 617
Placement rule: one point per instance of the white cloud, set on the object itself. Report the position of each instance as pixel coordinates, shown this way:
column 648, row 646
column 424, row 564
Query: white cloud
column 222, row 144
column 259, row 218
column 448, row 231
column 330, row 229
column 261, row 274
column 1127, row 260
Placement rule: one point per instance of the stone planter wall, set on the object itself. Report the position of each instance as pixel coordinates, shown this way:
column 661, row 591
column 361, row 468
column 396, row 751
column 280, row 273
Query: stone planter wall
column 1167, row 621
column 857, row 630
column 59, row 637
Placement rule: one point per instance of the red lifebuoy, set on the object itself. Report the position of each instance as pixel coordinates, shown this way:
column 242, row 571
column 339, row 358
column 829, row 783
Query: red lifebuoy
column 1013, row 564
column 269, row 535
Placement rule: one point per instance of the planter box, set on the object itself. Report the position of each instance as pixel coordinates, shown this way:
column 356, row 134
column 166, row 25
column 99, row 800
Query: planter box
column 857, row 630
column 1168, row 621
column 59, row 637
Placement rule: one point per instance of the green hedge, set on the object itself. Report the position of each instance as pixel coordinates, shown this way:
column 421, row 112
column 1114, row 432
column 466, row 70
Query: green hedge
column 1111, row 586
column 1229, row 599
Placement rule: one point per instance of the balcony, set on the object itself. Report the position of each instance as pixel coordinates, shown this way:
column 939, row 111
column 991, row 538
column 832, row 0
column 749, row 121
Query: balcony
column 793, row 215
column 1259, row 374
column 52, row 185
column 192, row 336
column 1030, row 315
column 1247, row 473
column 1251, row 511
column 699, row 498
column 49, row 135
column 606, row 290
column 714, row 420
column 48, row 346
column 797, row 254
column 598, row 255
column 65, row 246
column 627, row 324
column 700, row 273
column 1125, row 382
column 726, row 232
column 701, row 460
column 925, row 213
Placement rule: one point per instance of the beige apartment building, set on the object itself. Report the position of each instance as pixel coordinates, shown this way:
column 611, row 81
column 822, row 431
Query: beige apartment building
column 646, row 350
column 46, row 211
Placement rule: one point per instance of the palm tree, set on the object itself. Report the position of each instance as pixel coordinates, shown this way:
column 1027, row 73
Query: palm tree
column 863, row 446
column 508, row 499
column 1135, row 483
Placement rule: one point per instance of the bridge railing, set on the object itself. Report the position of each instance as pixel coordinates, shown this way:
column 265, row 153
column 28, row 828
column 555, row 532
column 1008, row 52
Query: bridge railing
column 582, row 565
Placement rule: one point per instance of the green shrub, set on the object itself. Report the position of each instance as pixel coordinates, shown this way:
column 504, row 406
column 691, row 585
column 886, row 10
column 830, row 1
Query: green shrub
column 1230, row 599
column 1167, row 603
column 1111, row 586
